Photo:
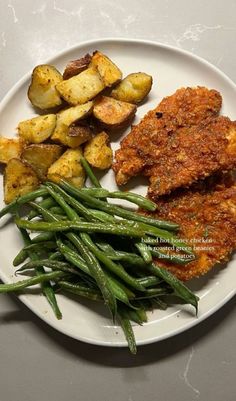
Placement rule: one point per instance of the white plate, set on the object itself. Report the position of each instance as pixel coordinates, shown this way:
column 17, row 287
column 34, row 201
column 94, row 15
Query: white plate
column 171, row 69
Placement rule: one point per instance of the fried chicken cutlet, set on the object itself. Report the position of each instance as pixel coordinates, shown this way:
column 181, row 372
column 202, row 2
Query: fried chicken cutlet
column 192, row 154
column 187, row 107
column 206, row 213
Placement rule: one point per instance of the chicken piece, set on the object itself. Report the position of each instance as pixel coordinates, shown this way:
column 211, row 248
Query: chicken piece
column 141, row 147
column 206, row 214
column 193, row 153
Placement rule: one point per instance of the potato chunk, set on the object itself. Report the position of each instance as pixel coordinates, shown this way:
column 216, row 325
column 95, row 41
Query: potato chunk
column 10, row 148
column 37, row 129
column 134, row 88
column 42, row 91
column 113, row 113
column 68, row 166
column 19, row 179
column 83, row 132
column 41, row 157
column 76, row 66
column 65, row 119
column 98, row 151
column 109, row 72
column 82, row 87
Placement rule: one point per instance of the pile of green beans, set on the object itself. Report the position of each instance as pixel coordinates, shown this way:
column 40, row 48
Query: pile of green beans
column 97, row 250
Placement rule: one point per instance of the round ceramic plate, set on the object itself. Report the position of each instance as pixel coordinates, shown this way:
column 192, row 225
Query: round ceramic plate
column 171, row 69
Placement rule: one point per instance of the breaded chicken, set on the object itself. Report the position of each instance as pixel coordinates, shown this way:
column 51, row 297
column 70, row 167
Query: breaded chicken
column 206, row 214
column 193, row 153
column 187, row 107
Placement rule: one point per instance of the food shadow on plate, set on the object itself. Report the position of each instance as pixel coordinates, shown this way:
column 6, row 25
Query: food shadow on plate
column 120, row 357
column 96, row 307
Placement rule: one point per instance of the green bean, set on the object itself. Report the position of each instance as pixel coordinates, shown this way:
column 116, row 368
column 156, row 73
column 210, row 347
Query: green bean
column 52, row 264
column 127, row 257
column 57, row 210
column 47, row 289
column 73, row 257
column 180, row 290
column 149, row 281
column 43, row 237
column 116, row 210
column 93, row 264
column 90, row 173
column 47, row 203
column 154, row 292
column 146, row 227
column 100, row 193
column 40, row 246
column 78, row 226
column 162, row 234
column 104, row 246
column 20, row 257
column 37, row 207
column 22, row 200
column 120, row 287
column 144, row 252
column 141, row 312
column 160, row 303
column 113, row 267
column 80, row 290
column 78, row 212
column 128, row 331
column 102, row 216
column 139, row 200
column 59, row 195
column 101, row 256
column 133, row 315
column 98, row 274
column 120, row 291
column 56, row 256
column 19, row 285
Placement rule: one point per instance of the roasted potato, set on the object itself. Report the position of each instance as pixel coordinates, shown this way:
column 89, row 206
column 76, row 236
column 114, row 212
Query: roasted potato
column 109, row 72
column 19, row 179
column 68, row 166
column 84, row 132
column 37, row 129
column 134, row 88
column 42, row 91
column 41, row 157
column 76, row 66
column 65, row 119
column 10, row 148
column 113, row 113
column 82, row 87
column 98, row 151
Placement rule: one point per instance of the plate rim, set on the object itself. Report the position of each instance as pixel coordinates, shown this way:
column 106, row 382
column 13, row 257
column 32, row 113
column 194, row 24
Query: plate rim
column 22, row 81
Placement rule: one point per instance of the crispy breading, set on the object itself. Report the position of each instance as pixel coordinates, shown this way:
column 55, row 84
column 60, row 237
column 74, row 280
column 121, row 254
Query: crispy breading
column 207, row 216
column 193, row 153
column 185, row 108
